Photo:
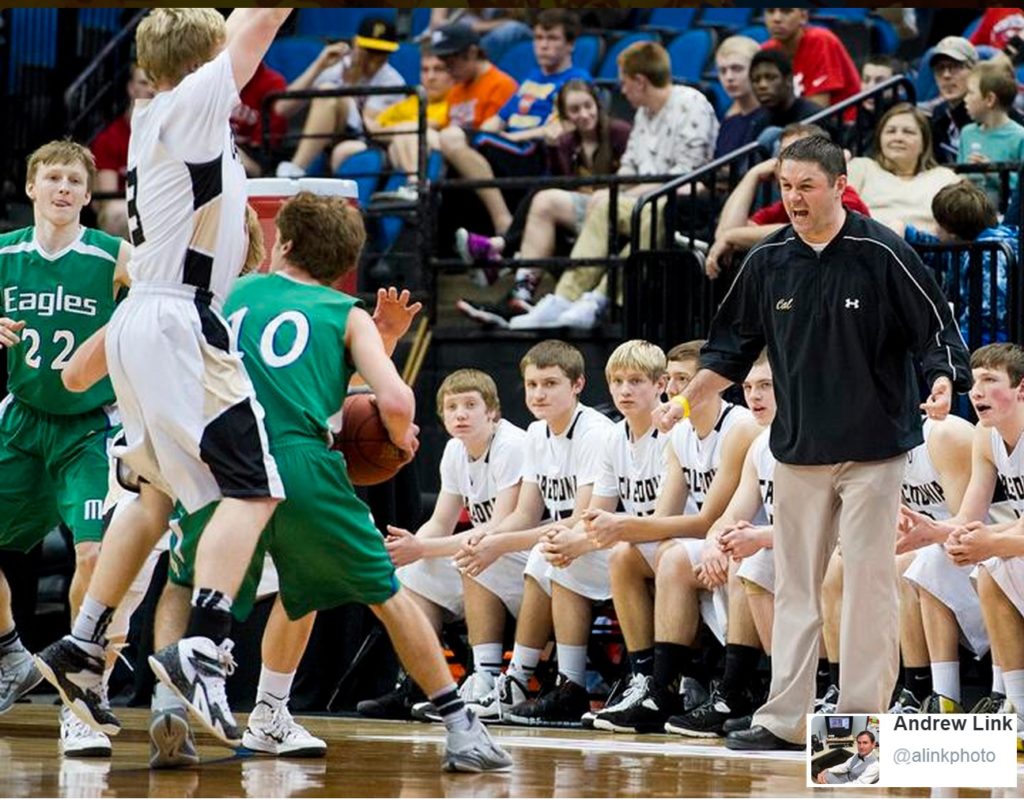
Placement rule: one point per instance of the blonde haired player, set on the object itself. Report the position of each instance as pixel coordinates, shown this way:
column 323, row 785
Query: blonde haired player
column 193, row 427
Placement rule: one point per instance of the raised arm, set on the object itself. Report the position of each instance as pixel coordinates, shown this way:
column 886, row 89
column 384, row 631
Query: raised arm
column 249, row 34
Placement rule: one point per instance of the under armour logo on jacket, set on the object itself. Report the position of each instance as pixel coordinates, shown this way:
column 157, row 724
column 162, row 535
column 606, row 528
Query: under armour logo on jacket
column 852, row 303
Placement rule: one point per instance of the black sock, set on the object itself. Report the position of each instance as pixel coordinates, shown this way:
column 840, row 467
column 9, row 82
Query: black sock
column 209, row 623
column 740, row 665
column 822, row 676
column 918, row 681
column 671, row 661
column 10, row 641
column 833, row 673
column 642, row 661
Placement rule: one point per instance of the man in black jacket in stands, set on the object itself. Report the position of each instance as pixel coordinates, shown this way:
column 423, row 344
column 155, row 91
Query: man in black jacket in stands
column 844, row 307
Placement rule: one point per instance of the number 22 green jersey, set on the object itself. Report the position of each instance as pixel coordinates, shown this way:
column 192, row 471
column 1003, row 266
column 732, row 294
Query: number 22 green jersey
column 63, row 298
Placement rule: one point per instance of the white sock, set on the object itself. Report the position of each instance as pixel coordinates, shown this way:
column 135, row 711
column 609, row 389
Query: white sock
column 275, row 687
column 524, row 662
column 997, row 680
column 572, row 662
column 946, row 679
column 487, row 658
column 1014, row 682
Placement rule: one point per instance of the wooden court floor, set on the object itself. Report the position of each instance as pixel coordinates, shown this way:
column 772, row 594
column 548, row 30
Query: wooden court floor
column 379, row 758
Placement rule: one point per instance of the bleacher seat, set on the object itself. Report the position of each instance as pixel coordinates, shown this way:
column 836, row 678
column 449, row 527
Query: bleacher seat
column 884, row 38
column 518, row 61
column 671, row 21
column 689, row 53
column 291, row 55
column 391, row 226
column 336, row 22
column 407, row 61
column 732, row 19
column 587, row 53
column 365, row 169
column 851, row 14
column 759, row 33
column 610, row 66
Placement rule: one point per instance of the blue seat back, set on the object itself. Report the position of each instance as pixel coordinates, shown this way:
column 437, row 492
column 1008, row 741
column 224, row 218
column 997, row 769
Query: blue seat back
column 291, row 55
column 689, row 53
column 610, row 65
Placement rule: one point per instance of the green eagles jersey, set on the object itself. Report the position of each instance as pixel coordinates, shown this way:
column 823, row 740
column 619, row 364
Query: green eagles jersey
column 292, row 339
column 63, row 299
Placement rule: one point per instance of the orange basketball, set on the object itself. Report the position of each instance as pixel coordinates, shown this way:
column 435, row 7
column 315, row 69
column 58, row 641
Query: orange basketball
column 369, row 453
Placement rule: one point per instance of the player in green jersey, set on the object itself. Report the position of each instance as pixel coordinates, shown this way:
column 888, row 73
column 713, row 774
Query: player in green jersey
column 58, row 284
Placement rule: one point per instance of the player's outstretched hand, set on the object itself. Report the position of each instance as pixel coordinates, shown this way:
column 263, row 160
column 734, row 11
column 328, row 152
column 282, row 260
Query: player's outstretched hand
column 393, row 315
column 940, row 401
column 9, row 331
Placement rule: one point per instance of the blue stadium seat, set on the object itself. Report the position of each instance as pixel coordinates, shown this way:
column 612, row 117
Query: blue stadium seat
column 336, row 22
column 33, row 38
column 587, row 53
column 518, row 61
column 689, row 53
column 610, row 66
column 291, row 55
column 391, row 226
column 107, row 19
column 730, row 18
column 407, row 61
column 851, row 14
column 364, row 168
column 884, row 38
column 671, row 20
column 759, row 33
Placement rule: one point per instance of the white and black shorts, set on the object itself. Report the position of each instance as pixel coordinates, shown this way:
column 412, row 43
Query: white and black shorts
column 192, row 425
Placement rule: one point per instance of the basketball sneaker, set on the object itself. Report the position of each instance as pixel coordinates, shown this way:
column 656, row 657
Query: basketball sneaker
column 492, row 314
column 1006, row 706
column 708, row 718
column 937, row 703
column 75, row 669
column 476, row 686
column 619, row 688
column 170, row 739
column 828, row 702
column 396, row 704
column 562, row 706
column 78, row 739
column 195, row 669
column 474, row 750
column 989, row 704
column 644, row 708
column 18, row 676
column 905, row 702
column 507, row 693
column 273, row 731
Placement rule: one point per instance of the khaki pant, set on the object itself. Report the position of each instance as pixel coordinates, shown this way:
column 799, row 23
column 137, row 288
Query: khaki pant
column 858, row 505
column 593, row 243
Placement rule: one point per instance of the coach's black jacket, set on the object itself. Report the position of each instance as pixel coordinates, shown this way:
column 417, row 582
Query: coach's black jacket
column 842, row 330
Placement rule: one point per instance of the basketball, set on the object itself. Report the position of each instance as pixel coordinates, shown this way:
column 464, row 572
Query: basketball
column 369, row 453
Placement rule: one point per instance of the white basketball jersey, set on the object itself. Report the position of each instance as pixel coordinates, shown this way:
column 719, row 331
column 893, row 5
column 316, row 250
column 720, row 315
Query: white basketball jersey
column 1010, row 467
column 921, row 490
column 764, row 463
column 480, row 481
column 700, row 457
column 561, row 464
column 185, row 185
column 632, row 470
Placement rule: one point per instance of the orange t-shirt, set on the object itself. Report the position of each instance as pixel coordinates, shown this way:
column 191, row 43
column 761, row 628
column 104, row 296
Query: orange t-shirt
column 469, row 104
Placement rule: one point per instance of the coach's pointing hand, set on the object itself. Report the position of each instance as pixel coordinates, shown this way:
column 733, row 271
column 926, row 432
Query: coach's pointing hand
column 941, row 399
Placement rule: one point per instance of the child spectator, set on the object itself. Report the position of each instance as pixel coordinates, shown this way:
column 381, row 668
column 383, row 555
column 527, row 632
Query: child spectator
column 480, row 89
column 771, row 76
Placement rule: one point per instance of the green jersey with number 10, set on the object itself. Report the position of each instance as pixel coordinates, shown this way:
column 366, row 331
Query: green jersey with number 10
column 292, row 339
column 62, row 298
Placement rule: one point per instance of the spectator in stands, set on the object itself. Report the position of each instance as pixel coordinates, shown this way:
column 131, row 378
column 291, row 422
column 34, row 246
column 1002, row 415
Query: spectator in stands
column 366, row 64
column 673, row 133
column 876, row 70
column 732, row 60
column 999, row 27
column 397, row 125
column 992, row 137
column 963, row 212
column 247, row 118
column 899, row 181
column 951, row 61
column 823, row 71
column 771, row 76
column 512, row 141
column 110, row 147
column 592, row 144
column 499, row 29
column 479, row 88
column 738, row 230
